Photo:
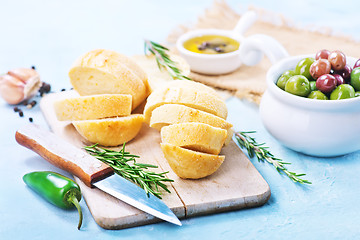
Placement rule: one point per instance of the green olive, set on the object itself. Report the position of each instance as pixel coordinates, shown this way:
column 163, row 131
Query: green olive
column 357, row 94
column 317, row 95
column 303, row 67
column 298, row 85
column 355, row 78
column 342, row 91
column 313, row 85
column 283, row 78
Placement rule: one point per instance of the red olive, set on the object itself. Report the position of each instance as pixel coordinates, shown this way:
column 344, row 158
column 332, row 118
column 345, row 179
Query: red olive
column 345, row 72
column 357, row 63
column 337, row 60
column 319, row 68
column 326, row 83
column 339, row 79
column 322, row 54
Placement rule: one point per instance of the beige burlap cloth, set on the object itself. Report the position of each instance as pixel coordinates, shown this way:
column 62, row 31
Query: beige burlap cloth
column 249, row 82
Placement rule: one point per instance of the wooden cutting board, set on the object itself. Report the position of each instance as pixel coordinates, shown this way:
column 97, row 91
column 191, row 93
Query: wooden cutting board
column 235, row 185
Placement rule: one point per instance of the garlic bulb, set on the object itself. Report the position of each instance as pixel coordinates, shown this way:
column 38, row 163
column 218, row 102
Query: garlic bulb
column 19, row 84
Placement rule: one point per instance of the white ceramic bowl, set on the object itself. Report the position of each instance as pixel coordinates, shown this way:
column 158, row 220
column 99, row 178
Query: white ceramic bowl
column 211, row 64
column 321, row 128
column 250, row 52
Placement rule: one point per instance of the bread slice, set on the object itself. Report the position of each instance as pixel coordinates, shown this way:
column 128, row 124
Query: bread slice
column 191, row 164
column 230, row 133
column 187, row 96
column 108, row 72
column 195, row 136
column 110, row 131
column 93, row 107
column 158, row 77
column 175, row 113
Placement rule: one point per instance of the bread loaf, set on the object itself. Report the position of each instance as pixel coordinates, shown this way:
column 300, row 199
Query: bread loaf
column 192, row 121
column 191, row 164
column 195, row 136
column 110, row 131
column 93, row 107
column 107, row 72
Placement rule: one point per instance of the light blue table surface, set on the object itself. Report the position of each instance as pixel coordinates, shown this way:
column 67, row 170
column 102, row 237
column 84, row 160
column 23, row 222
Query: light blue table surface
column 52, row 34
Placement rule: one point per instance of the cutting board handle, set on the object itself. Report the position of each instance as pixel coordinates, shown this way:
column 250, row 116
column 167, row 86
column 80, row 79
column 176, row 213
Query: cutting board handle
column 62, row 154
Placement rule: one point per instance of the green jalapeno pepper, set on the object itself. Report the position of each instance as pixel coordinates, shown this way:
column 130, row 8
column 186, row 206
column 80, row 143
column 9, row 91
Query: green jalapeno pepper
column 57, row 189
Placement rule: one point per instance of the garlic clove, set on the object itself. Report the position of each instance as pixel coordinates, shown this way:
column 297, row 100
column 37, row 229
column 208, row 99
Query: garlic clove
column 19, row 84
column 23, row 74
column 32, row 86
column 11, row 89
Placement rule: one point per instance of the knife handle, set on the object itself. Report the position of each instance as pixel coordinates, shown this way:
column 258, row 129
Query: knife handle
column 63, row 154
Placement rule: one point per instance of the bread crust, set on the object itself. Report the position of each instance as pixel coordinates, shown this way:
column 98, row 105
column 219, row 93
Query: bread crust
column 190, row 97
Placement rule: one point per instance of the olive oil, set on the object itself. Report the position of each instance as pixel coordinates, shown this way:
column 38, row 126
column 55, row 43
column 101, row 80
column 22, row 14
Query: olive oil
column 211, row 44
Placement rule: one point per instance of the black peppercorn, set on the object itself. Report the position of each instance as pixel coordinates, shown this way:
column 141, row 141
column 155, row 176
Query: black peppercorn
column 31, row 104
column 219, row 50
column 47, row 87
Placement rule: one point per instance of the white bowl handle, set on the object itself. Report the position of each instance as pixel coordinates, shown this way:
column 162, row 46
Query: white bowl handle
column 245, row 22
column 253, row 48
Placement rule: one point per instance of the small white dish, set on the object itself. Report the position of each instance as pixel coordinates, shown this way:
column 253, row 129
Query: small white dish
column 250, row 52
column 323, row 128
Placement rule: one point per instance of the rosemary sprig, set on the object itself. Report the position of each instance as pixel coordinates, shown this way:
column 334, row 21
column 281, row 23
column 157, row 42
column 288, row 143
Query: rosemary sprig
column 163, row 60
column 126, row 166
column 263, row 154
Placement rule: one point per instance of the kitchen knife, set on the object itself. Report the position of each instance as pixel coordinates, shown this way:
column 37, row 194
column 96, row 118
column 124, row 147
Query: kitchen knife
column 91, row 171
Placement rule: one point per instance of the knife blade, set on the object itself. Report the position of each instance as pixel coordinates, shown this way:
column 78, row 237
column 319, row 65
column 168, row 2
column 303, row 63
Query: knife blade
column 91, row 171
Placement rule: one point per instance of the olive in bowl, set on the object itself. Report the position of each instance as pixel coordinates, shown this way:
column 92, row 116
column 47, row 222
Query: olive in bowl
column 307, row 125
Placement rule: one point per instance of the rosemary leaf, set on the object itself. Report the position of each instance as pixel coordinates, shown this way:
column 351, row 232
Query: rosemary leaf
column 263, row 154
column 125, row 165
column 163, row 60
